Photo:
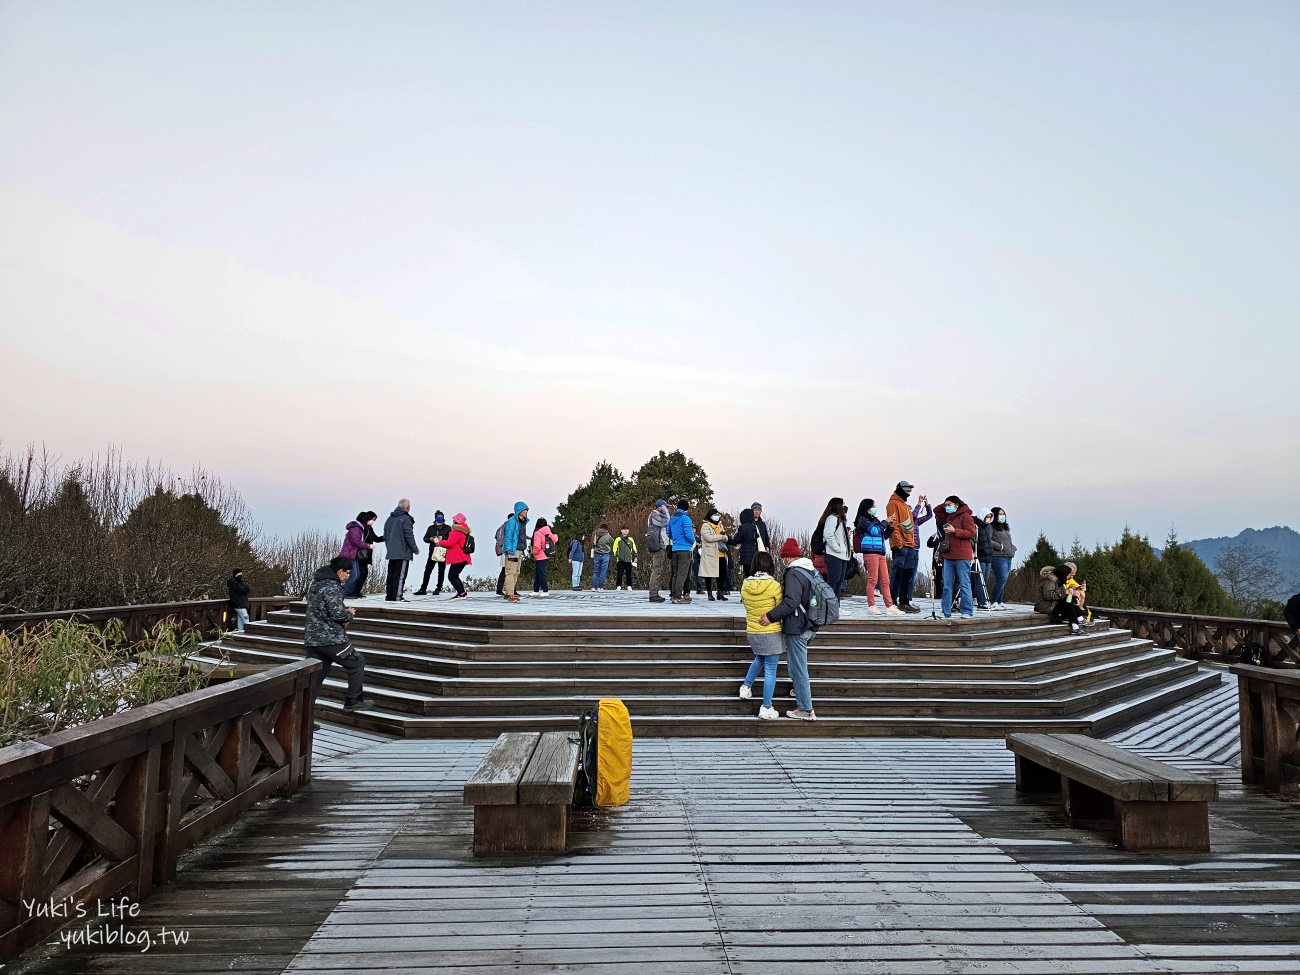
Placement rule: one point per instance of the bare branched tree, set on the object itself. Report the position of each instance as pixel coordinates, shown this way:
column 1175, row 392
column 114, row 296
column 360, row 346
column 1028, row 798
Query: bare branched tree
column 1250, row 573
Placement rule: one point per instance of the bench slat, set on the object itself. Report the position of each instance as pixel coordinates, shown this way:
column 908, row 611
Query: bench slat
column 496, row 781
column 1183, row 785
column 552, row 772
column 1095, row 771
column 1112, row 770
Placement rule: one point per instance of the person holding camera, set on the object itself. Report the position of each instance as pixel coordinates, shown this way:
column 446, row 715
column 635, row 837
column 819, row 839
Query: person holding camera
column 956, row 545
column 905, row 542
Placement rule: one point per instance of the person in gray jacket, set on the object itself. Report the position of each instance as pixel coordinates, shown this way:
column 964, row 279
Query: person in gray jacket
column 323, row 635
column 656, row 544
column 1001, row 551
column 792, row 614
column 399, row 541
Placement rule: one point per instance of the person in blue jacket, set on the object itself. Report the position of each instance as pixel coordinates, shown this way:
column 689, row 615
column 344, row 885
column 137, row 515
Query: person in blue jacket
column 577, row 556
column 514, row 547
column 681, row 537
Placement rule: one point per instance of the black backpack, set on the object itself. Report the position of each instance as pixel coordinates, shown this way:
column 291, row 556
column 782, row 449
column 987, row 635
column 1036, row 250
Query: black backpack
column 817, row 543
column 584, row 790
column 469, row 545
column 1252, row 653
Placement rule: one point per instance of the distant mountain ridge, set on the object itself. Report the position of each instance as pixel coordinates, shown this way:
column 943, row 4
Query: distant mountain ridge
column 1283, row 541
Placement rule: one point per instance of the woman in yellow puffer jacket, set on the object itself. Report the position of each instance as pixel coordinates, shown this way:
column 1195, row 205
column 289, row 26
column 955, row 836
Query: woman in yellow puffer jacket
column 759, row 594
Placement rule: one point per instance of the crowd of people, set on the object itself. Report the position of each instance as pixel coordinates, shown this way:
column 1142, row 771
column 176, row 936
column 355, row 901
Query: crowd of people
column 972, row 560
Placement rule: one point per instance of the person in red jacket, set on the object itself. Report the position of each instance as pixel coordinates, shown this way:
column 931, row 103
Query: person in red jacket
column 957, row 532
column 457, row 557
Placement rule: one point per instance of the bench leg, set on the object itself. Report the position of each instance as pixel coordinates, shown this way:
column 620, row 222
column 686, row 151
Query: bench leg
column 520, row 829
column 1032, row 777
column 1086, row 803
column 1164, row 825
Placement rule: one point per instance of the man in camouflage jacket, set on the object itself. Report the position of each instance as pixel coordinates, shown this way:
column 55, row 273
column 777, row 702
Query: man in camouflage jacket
column 323, row 634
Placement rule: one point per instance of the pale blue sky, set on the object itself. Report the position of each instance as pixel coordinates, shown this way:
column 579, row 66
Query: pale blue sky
column 1042, row 255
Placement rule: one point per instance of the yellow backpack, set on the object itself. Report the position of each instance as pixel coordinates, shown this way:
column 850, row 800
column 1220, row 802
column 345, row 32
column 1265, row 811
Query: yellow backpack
column 606, row 749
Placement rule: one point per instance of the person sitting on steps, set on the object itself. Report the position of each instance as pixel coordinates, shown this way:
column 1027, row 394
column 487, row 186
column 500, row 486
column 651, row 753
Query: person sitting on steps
column 1052, row 601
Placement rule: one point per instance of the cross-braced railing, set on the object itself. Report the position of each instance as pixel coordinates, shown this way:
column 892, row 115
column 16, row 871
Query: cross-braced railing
column 109, row 807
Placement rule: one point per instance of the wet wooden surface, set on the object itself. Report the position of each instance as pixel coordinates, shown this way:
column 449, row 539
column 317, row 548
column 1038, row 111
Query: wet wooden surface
column 863, row 856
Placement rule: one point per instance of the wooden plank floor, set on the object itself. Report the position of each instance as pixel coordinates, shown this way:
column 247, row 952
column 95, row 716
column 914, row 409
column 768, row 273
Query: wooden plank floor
column 864, row 856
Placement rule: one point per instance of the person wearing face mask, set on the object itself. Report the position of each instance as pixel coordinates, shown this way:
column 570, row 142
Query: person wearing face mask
column 713, row 543
column 435, row 536
column 872, row 534
column 1003, row 551
column 957, row 547
column 625, row 555
column 905, row 542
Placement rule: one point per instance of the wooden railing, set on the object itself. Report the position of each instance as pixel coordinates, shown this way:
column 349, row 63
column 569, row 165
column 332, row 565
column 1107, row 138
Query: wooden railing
column 1204, row 637
column 205, row 614
column 107, row 808
column 1270, row 727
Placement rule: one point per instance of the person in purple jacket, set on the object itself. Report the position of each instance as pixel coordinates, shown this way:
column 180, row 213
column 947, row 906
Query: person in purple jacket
column 358, row 545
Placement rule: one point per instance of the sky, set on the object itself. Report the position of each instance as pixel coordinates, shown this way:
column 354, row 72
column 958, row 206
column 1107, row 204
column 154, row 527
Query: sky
column 1041, row 255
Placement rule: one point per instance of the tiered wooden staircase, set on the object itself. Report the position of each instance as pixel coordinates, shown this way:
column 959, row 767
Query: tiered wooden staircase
column 434, row 674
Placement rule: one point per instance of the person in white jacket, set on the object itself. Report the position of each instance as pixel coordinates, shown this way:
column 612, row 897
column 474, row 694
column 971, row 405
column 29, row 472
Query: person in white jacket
column 833, row 532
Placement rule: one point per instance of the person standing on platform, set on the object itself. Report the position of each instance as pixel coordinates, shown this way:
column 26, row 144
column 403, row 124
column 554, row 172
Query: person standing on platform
column 602, row 543
column 625, row 554
column 501, row 554
column 760, row 594
column 435, row 537
column 681, row 534
column 833, row 530
column 958, row 530
column 324, row 638
column 514, row 545
column 577, row 556
column 545, row 544
column 764, row 542
column 905, row 542
column 238, row 590
column 657, row 544
column 749, row 542
column 792, row 614
column 872, row 535
column 457, row 557
column 713, row 543
column 399, row 535
column 1004, row 550
column 359, row 546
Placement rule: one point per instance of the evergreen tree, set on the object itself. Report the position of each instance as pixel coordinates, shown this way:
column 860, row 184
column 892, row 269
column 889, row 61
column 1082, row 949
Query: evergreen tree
column 669, row 476
column 1145, row 579
column 1193, row 588
column 586, row 506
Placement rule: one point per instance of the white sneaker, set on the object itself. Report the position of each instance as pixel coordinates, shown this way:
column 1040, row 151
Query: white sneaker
column 894, row 611
column 802, row 715
column 768, row 714
column 594, row 589
column 746, row 692
column 875, row 611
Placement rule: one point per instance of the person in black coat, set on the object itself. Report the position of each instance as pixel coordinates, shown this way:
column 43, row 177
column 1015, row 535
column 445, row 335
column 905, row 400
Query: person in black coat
column 238, row 590
column 751, row 537
column 1291, row 613
column 437, row 533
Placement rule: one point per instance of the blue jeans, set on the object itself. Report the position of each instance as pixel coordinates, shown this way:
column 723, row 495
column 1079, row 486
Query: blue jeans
column 540, row 581
column 796, row 662
column 767, row 664
column 577, row 575
column 1001, row 571
column 902, row 574
column 241, row 620
column 958, row 570
column 599, row 569
column 351, row 587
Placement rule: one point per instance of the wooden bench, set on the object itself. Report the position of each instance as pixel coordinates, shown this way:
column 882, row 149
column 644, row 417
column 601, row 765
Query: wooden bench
column 1155, row 806
column 522, row 791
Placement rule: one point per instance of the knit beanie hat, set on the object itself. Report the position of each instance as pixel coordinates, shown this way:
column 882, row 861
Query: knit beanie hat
column 790, row 549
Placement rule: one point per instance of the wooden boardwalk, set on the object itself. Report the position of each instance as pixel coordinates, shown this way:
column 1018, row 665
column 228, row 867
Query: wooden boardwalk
column 863, row 856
